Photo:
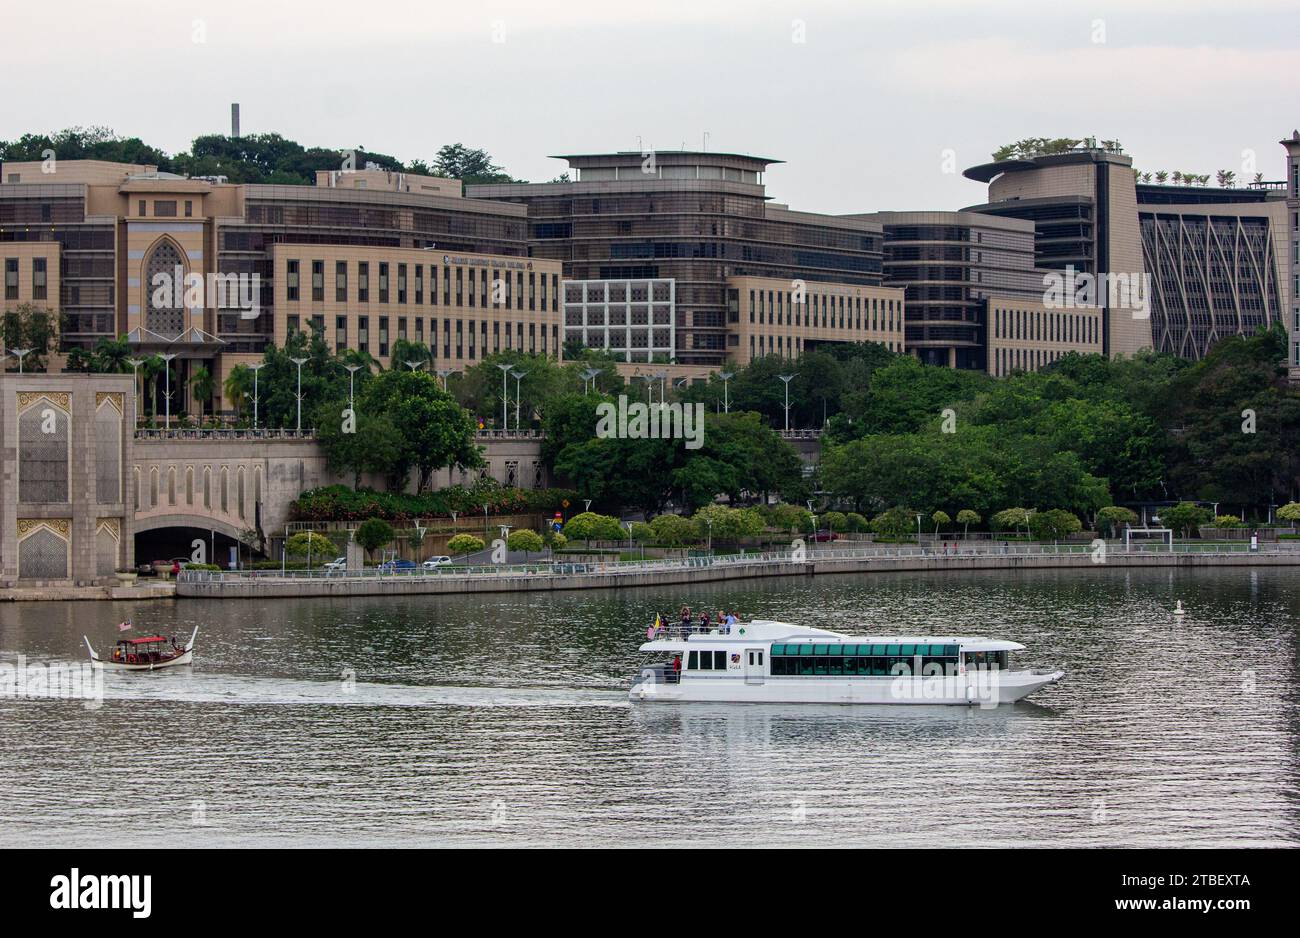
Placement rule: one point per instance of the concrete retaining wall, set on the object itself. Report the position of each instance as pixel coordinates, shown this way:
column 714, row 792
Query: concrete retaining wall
column 450, row 584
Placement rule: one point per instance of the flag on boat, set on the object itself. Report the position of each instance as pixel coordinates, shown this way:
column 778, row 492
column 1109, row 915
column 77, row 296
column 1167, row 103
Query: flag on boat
column 123, row 626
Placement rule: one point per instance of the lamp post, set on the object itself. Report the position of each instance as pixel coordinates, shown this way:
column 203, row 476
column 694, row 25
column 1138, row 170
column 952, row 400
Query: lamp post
column 649, row 387
column 709, row 523
column 588, row 375
column 255, row 369
column 663, row 397
column 586, row 504
column 486, row 536
column 444, row 374
column 518, row 376
column 20, row 354
column 299, row 362
column 135, row 364
column 786, row 379
column 414, row 366
column 505, row 394
column 352, row 374
column 726, row 399
column 167, row 393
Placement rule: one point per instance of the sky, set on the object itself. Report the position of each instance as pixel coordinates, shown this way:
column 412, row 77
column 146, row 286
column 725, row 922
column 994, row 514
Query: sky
column 872, row 104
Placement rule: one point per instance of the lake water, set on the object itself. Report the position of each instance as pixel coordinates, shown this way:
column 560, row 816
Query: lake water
column 504, row 720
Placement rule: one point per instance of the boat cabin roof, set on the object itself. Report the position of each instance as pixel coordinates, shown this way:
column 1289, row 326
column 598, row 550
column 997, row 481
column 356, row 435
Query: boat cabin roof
column 767, row 630
column 142, row 641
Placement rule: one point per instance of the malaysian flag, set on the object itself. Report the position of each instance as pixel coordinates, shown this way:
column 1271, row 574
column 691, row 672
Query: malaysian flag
column 123, row 626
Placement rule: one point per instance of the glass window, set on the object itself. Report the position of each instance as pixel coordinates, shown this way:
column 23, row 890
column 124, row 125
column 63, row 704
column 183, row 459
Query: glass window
column 692, row 661
column 719, row 661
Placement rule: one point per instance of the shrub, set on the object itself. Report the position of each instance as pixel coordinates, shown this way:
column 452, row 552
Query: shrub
column 1009, row 519
column 340, row 503
column 857, row 523
column 1227, row 521
column 1111, row 518
column 1289, row 512
column 642, row 531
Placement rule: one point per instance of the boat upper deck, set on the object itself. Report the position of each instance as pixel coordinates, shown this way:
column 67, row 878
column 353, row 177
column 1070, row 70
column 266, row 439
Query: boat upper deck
column 675, row 638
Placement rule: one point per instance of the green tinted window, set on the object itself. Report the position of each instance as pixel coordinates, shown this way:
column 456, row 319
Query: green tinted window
column 950, row 649
column 836, row 649
column 891, row 650
column 778, row 649
column 922, row 649
column 907, row 650
column 805, row 649
column 878, row 650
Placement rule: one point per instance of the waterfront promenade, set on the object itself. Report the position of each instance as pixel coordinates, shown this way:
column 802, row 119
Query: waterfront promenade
column 565, row 575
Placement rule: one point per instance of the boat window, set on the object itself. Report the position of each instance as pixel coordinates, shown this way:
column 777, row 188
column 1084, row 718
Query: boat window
column 693, row 661
column 706, row 661
column 852, row 660
column 719, row 661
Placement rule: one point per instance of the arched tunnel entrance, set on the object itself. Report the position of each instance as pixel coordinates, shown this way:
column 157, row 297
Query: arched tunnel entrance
column 170, row 543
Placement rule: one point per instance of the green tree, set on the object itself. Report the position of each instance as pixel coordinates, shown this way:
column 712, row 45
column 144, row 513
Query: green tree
column 435, row 431
column 465, row 544
column 835, row 521
column 1114, row 517
column 1054, row 524
column 940, row 519
column 319, row 548
column 966, row 518
column 674, row 530
column 30, row 327
column 470, row 166
column 589, row 525
column 526, row 541
column 1289, row 512
column 894, row 522
column 1185, row 518
column 201, row 386
column 364, row 443
column 374, row 533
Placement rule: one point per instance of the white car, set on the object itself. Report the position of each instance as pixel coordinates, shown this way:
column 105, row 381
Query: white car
column 433, row 563
column 338, row 563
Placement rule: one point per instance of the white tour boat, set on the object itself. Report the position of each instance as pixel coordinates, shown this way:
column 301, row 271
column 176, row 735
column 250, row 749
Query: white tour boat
column 775, row 662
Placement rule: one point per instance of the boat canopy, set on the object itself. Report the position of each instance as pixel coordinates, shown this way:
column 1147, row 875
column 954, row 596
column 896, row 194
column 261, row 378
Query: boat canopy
column 142, row 641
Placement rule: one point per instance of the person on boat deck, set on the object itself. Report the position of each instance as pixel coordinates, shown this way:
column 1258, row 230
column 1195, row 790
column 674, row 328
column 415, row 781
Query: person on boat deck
column 677, row 667
column 704, row 621
column 686, row 618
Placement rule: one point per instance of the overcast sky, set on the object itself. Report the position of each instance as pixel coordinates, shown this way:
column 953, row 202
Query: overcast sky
column 862, row 109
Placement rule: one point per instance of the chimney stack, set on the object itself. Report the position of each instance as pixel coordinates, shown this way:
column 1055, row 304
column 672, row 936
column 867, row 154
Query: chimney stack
column 234, row 120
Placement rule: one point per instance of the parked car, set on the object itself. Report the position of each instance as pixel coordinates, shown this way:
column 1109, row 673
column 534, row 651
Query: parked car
column 824, row 536
column 392, row 566
column 338, row 563
column 433, row 563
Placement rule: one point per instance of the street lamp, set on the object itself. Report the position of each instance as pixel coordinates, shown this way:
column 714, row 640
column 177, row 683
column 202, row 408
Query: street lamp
column 299, row 362
column 588, row 375
column 505, row 394
column 660, row 377
column 167, row 394
column 255, row 369
column 444, row 374
column 709, row 523
column 135, row 364
column 726, row 400
column 518, row 376
column 352, row 374
column 649, row 387
column 19, row 353
column 586, row 504
column 786, row 379
column 414, row 365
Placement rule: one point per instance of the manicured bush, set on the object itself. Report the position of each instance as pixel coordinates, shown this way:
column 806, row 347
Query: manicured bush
column 340, row 503
column 857, row 522
column 835, row 521
column 530, row 542
column 465, row 544
column 310, row 542
column 1054, row 524
column 373, row 534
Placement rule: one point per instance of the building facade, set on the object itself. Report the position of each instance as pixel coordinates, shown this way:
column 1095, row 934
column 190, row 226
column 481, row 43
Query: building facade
column 67, row 513
column 1208, row 260
column 698, row 219
column 369, row 257
column 1291, row 187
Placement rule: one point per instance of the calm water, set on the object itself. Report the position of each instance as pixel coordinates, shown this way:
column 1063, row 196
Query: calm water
column 503, row 720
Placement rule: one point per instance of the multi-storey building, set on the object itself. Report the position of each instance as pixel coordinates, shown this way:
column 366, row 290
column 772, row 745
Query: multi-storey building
column 952, row 265
column 369, row 258
column 1292, row 189
column 701, row 220
column 1207, row 259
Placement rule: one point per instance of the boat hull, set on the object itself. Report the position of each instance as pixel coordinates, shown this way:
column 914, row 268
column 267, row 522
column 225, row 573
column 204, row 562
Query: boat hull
column 983, row 688
column 178, row 661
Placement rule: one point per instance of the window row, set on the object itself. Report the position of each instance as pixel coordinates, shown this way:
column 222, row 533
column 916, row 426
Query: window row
column 824, row 311
column 861, row 667
column 39, row 278
column 403, row 284
column 459, row 339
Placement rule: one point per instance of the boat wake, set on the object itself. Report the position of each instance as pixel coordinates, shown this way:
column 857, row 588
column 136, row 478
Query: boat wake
column 210, row 688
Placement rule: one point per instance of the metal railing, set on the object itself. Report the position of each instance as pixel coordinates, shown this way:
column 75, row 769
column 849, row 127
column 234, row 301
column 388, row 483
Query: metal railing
column 200, row 433
column 787, row 558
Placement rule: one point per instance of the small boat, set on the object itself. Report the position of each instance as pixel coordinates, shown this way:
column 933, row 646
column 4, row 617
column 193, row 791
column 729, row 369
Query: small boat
column 775, row 662
column 145, row 654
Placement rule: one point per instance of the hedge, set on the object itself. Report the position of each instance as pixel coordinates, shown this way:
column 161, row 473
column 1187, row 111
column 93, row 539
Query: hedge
column 340, row 503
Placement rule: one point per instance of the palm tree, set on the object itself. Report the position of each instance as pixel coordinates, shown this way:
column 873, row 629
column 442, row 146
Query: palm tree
column 1162, row 176
column 1177, row 177
column 238, row 387
column 201, row 386
column 111, row 356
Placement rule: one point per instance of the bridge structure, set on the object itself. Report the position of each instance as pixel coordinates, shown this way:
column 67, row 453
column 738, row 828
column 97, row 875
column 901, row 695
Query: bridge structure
column 227, row 484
